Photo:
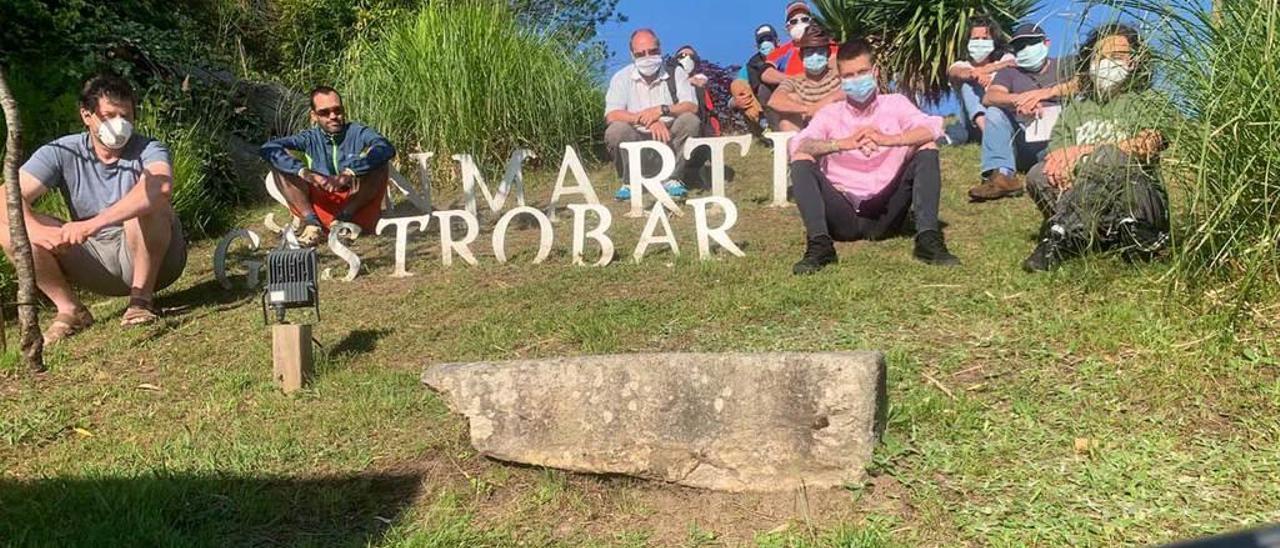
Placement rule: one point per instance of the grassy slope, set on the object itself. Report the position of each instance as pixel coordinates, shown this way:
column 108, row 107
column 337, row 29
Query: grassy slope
column 1071, row 408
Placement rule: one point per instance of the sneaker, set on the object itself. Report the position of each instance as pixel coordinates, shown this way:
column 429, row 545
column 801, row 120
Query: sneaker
column 998, row 185
column 1053, row 249
column 310, row 236
column 347, row 231
column 675, row 189
column 818, row 253
column 623, row 194
column 931, row 249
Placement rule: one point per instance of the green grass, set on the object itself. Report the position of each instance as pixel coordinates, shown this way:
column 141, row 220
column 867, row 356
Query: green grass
column 1076, row 408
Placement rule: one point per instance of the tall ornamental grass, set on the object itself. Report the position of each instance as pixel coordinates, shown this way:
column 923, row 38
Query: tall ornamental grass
column 469, row 78
column 1223, row 66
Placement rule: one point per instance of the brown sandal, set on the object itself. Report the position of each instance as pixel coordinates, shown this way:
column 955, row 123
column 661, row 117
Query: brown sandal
column 139, row 312
column 66, row 325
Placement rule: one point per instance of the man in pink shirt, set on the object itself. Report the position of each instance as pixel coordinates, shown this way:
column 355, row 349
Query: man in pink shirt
column 862, row 164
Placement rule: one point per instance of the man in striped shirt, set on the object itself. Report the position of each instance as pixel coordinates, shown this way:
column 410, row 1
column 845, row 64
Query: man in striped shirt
column 798, row 98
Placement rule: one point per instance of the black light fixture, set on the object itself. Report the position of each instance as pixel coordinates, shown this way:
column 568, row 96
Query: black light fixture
column 291, row 283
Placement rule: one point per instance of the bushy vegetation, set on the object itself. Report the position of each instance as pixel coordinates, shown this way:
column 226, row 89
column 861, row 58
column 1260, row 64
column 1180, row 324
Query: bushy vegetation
column 1223, row 67
column 470, row 78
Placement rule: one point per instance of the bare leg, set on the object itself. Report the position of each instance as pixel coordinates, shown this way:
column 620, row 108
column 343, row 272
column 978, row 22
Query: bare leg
column 148, row 238
column 981, row 122
column 296, row 192
column 367, row 188
column 49, row 277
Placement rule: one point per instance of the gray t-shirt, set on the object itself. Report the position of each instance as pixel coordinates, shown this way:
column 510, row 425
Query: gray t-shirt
column 1017, row 80
column 89, row 185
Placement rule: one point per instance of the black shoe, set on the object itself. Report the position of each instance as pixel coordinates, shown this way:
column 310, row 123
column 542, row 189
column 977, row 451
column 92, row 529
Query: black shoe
column 818, row 253
column 1045, row 258
column 932, row 249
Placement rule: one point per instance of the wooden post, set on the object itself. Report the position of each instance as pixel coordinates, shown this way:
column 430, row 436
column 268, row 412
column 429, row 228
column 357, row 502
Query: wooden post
column 291, row 356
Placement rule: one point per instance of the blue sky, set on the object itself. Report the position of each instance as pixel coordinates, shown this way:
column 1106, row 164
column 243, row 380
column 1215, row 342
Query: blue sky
column 721, row 30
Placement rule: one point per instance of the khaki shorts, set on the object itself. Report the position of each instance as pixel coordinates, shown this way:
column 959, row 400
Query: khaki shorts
column 102, row 265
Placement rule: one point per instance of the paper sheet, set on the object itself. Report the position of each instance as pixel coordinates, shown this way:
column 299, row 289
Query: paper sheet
column 1039, row 129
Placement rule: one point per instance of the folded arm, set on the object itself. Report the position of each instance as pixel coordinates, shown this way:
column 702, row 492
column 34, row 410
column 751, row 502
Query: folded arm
column 378, row 151
column 276, row 153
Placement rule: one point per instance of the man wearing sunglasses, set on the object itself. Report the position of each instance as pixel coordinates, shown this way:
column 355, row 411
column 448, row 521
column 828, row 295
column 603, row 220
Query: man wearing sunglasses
column 333, row 176
column 123, row 237
column 798, row 98
column 643, row 105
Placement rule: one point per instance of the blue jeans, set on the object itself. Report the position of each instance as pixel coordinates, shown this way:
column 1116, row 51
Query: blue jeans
column 970, row 97
column 1004, row 146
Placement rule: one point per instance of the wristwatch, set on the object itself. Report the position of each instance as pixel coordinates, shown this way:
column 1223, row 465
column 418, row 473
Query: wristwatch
column 666, row 110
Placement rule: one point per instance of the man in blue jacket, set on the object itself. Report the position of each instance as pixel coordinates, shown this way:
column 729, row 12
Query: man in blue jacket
column 334, row 176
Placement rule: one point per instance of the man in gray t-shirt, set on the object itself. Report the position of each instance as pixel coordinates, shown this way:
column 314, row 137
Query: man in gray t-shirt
column 123, row 237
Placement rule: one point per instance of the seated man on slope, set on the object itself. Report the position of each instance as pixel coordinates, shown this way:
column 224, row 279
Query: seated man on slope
column 863, row 165
column 123, row 237
column 1099, row 188
column 334, row 176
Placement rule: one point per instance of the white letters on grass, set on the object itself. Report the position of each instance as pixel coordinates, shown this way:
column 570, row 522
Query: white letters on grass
column 512, row 181
column 781, row 157
column 572, row 164
column 717, row 146
column 449, row 246
column 639, row 183
column 544, row 227
column 600, row 233
column 657, row 216
column 721, row 233
column 402, row 225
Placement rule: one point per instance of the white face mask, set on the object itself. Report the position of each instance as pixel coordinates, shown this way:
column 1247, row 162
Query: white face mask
column 1109, row 73
column 687, row 63
column 648, row 66
column 115, row 132
column 980, row 49
column 797, row 32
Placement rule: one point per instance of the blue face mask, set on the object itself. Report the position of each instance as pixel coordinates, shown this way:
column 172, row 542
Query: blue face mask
column 859, row 88
column 766, row 48
column 815, row 63
column 1032, row 57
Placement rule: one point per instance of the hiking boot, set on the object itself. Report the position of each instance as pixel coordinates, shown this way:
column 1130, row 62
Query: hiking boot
column 998, row 185
column 1054, row 248
column 931, row 249
column 310, row 236
column 818, row 253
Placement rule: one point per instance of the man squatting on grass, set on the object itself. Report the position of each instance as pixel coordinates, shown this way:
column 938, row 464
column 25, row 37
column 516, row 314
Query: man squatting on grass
column 123, row 237
column 863, row 163
column 641, row 106
column 334, row 176
column 1099, row 187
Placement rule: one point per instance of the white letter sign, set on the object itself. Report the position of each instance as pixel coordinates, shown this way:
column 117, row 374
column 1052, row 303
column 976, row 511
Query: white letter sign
column 572, row 164
column 449, row 246
column 781, row 157
column 639, row 183
column 513, row 180
column 719, row 234
column 647, row 238
column 500, row 234
column 402, row 238
column 600, row 233
column 717, row 146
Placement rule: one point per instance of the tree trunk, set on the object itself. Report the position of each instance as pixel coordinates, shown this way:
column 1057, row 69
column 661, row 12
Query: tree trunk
column 23, row 261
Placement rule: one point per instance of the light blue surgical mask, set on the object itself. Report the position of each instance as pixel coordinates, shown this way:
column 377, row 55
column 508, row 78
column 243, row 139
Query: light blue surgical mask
column 980, row 49
column 766, row 48
column 859, row 88
column 815, row 63
column 1032, row 57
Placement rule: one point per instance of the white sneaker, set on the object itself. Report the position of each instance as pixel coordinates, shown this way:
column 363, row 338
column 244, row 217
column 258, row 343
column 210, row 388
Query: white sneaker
column 347, row 232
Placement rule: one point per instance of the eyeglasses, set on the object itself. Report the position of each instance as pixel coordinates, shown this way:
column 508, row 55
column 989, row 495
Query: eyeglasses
column 331, row 111
column 799, row 19
column 646, row 53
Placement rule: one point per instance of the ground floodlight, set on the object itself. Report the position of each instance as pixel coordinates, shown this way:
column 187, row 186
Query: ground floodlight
column 291, row 283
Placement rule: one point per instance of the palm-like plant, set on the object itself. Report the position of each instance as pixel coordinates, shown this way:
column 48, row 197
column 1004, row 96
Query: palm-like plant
column 917, row 39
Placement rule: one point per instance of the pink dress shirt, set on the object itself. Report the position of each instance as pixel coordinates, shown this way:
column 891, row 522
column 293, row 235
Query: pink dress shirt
column 852, row 172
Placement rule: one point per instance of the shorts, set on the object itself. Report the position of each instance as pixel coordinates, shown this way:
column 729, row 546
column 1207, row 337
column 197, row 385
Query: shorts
column 102, row 265
column 328, row 205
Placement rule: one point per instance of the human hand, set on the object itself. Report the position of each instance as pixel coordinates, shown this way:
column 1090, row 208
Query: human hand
column 698, row 80
column 649, row 116
column 45, row 237
column 317, row 180
column 76, row 232
column 1060, row 165
column 743, row 102
column 1029, row 103
column 660, row 132
column 344, row 181
column 985, row 79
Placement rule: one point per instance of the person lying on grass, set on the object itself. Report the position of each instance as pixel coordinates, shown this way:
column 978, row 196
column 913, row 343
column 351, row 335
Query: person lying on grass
column 648, row 102
column 334, row 176
column 1099, row 188
column 799, row 98
column 863, row 164
column 123, row 238
column 1018, row 95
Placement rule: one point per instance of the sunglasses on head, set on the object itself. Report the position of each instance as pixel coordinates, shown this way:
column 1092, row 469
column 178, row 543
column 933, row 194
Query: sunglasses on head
column 331, row 111
column 799, row 19
column 646, row 53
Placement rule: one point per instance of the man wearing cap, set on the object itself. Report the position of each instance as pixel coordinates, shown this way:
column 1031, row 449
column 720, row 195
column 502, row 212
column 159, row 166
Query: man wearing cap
column 641, row 105
column 757, row 80
column 864, row 165
column 1030, row 92
column 787, row 57
column 798, row 98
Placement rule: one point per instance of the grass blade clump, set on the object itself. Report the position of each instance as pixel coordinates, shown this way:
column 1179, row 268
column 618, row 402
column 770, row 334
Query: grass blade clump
column 470, row 78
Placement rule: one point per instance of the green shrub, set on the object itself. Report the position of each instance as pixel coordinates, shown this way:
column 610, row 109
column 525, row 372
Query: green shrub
column 1224, row 68
column 469, row 78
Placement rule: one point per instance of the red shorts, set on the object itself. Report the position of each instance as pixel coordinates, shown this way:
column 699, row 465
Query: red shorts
column 329, row 204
